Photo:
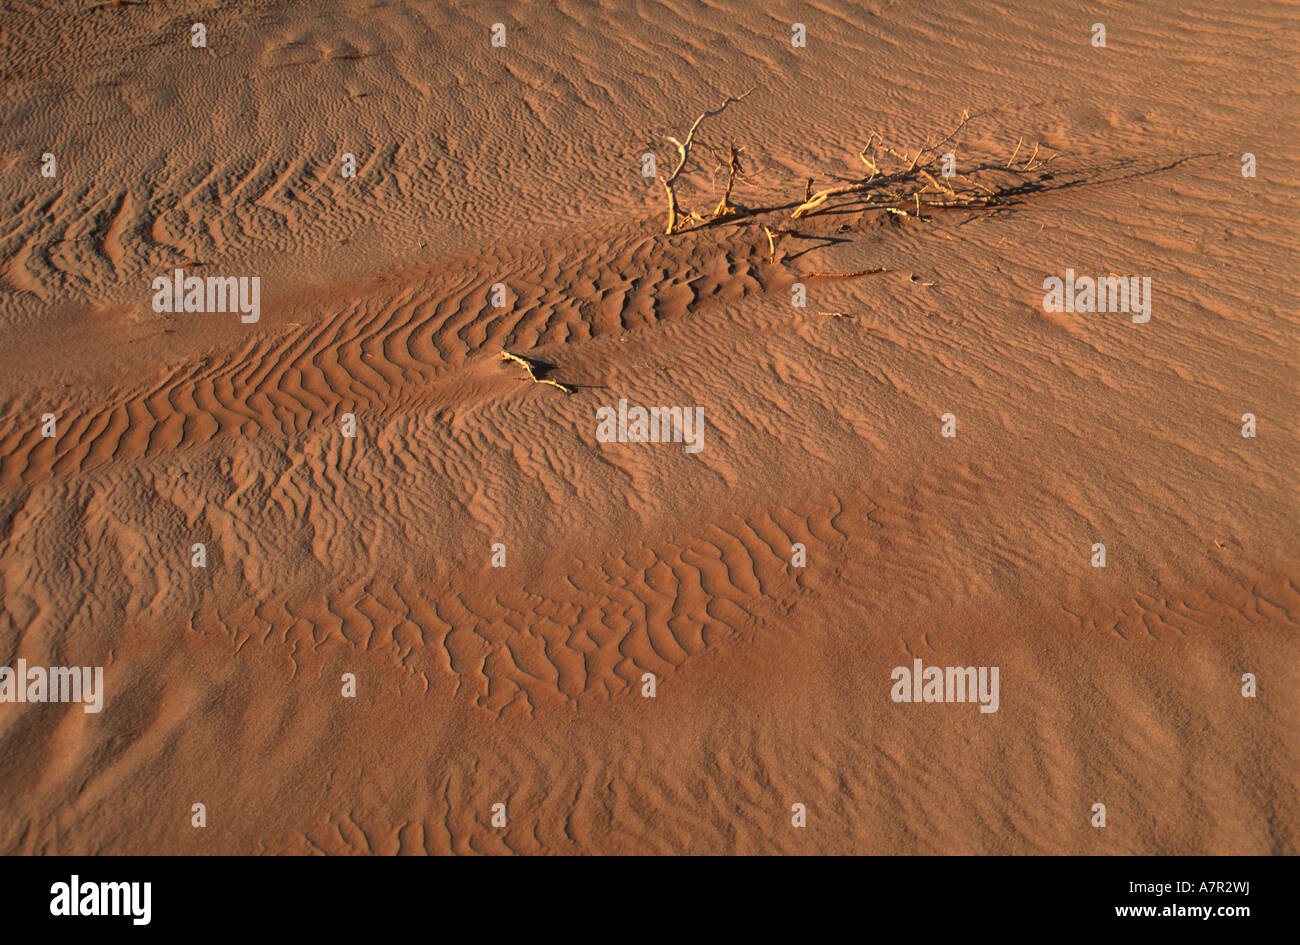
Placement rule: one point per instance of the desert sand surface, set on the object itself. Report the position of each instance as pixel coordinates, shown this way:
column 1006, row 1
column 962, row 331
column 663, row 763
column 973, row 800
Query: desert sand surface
column 524, row 685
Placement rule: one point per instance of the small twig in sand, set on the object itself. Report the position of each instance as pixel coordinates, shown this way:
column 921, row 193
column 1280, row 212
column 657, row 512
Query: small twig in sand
column 846, row 275
column 773, row 234
column 1016, row 151
column 724, row 208
column 531, row 367
column 1030, row 160
column 1034, row 162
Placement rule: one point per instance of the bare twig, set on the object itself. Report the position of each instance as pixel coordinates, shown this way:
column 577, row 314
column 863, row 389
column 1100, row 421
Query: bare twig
column 916, row 182
column 1016, row 151
column 902, row 182
column 724, row 208
column 965, row 117
column 531, row 367
column 846, row 275
column 683, row 153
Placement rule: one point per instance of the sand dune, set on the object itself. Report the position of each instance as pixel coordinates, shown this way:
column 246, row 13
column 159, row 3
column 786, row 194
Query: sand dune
column 523, row 684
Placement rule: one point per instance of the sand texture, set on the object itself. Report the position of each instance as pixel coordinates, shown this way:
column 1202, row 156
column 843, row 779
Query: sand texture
column 523, row 684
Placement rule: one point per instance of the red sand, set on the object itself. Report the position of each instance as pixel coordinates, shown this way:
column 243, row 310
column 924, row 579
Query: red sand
column 522, row 685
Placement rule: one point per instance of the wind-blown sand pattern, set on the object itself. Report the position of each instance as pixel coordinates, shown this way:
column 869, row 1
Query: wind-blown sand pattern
column 522, row 684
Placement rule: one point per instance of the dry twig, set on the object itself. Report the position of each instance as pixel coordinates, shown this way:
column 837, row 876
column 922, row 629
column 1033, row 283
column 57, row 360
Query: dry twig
column 917, row 181
column 683, row 153
column 724, row 208
column 846, row 275
column 532, row 367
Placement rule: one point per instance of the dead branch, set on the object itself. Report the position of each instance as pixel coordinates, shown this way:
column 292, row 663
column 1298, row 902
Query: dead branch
column 965, row 117
column 846, row 275
column 724, row 209
column 1034, row 162
column 683, row 154
column 915, row 183
column 532, row 367
column 1016, row 151
column 900, row 182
